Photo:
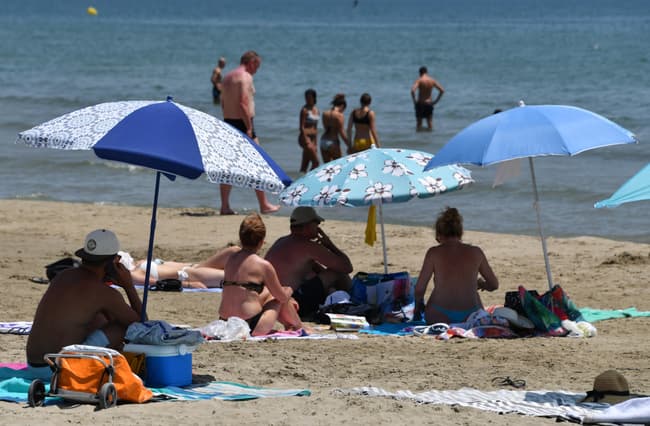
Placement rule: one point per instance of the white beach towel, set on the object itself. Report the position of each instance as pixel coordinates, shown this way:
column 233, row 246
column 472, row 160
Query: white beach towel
column 561, row 404
column 636, row 410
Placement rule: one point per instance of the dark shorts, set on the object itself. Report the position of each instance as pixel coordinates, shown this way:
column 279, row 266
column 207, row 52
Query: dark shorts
column 239, row 124
column 216, row 94
column 252, row 321
column 310, row 295
column 423, row 110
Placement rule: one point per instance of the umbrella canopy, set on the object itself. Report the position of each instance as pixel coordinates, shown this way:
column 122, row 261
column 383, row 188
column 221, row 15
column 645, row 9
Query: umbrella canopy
column 168, row 137
column 635, row 189
column 164, row 136
column 374, row 177
column 530, row 131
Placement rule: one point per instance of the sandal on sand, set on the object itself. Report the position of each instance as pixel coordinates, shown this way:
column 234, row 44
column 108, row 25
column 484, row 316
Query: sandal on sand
column 430, row 330
column 507, row 381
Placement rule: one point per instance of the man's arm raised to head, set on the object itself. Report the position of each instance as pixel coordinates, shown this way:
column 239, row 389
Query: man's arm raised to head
column 125, row 281
column 116, row 309
column 325, row 252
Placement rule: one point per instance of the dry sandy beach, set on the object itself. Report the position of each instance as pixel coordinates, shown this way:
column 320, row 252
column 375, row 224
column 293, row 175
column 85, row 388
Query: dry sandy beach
column 595, row 272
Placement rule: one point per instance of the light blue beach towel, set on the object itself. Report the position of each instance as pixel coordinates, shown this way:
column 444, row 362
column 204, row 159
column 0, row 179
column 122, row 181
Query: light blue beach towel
column 593, row 315
column 14, row 387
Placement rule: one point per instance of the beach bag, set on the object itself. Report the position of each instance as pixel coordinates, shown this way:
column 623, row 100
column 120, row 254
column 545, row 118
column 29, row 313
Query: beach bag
column 169, row 284
column 541, row 316
column 559, row 303
column 513, row 300
column 390, row 292
column 53, row 269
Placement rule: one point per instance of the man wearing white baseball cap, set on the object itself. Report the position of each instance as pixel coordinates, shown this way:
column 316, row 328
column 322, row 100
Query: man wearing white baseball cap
column 309, row 262
column 80, row 308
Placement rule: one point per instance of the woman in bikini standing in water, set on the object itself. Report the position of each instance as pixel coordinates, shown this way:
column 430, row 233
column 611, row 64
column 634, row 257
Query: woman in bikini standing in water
column 333, row 123
column 363, row 119
column 251, row 289
column 455, row 267
column 308, row 138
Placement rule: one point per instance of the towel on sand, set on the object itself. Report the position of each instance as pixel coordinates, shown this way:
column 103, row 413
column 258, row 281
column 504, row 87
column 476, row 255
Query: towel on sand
column 561, row 404
column 14, row 388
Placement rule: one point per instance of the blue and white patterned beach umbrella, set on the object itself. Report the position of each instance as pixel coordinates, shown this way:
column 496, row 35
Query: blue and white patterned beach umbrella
column 165, row 136
column 374, row 177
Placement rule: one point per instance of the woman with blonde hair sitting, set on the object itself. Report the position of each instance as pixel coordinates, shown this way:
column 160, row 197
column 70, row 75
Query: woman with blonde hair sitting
column 455, row 267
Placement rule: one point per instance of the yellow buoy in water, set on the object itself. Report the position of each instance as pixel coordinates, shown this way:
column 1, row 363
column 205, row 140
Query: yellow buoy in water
column 91, row 11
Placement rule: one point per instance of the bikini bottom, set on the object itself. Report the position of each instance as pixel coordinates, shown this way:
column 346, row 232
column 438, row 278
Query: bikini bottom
column 455, row 316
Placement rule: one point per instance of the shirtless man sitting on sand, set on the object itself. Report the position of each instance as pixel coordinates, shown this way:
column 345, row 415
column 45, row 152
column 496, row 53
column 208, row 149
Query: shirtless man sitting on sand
column 309, row 262
column 79, row 308
column 424, row 104
column 455, row 267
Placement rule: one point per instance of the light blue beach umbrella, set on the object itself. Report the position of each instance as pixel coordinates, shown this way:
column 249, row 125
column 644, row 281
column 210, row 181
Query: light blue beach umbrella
column 637, row 188
column 531, row 131
column 165, row 136
column 374, row 177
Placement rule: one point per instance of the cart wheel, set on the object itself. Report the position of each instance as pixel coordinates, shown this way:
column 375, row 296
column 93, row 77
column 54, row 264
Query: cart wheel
column 36, row 393
column 107, row 396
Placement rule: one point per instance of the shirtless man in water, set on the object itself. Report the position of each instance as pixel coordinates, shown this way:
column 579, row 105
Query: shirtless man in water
column 455, row 267
column 79, row 308
column 238, row 106
column 424, row 103
column 309, row 262
column 216, row 78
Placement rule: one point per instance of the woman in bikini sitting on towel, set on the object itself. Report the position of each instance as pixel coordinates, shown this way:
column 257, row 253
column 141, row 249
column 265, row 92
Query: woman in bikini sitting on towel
column 205, row 274
column 455, row 267
column 251, row 288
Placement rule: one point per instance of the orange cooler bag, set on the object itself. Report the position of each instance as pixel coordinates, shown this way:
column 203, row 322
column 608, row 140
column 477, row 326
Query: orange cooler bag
column 88, row 374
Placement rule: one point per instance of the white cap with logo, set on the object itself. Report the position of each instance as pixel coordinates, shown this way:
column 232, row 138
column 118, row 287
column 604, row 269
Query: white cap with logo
column 100, row 244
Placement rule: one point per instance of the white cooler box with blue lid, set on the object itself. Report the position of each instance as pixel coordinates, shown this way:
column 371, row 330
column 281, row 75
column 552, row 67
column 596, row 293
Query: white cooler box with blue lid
column 165, row 365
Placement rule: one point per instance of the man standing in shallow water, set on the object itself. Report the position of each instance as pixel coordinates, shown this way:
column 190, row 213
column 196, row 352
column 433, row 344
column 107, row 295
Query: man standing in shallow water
column 238, row 106
column 216, row 80
column 424, row 104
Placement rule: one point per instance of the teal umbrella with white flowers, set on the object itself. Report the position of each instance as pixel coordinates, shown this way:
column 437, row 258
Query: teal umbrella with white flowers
column 372, row 178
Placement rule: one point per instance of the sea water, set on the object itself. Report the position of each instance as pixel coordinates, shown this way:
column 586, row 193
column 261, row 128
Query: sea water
column 487, row 54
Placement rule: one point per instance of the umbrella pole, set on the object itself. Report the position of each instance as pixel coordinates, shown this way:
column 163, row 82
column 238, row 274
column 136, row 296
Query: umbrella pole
column 383, row 237
column 152, row 232
column 539, row 225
